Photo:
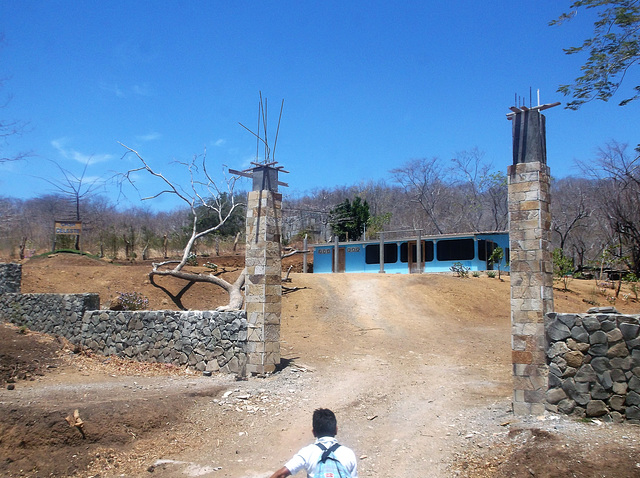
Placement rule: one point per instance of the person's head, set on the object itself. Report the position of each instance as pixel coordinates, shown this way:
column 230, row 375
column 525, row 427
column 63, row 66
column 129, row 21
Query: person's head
column 324, row 423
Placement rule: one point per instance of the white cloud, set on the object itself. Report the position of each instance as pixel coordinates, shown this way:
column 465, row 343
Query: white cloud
column 220, row 142
column 141, row 90
column 115, row 89
column 119, row 92
column 149, row 136
column 82, row 158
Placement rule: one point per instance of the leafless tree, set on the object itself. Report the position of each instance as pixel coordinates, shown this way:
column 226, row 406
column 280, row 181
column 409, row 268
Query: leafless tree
column 471, row 174
column 9, row 128
column 617, row 173
column 423, row 182
column 202, row 192
column 570, row 207
column 75, row 188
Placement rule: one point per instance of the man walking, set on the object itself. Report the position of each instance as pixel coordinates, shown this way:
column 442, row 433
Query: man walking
column 326, row 458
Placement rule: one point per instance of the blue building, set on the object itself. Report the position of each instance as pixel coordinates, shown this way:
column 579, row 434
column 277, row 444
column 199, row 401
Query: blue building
column 401, row 256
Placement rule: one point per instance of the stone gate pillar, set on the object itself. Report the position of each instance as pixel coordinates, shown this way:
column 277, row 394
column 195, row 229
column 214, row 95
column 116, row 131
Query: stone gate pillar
column 263, row 285
column 530, row 259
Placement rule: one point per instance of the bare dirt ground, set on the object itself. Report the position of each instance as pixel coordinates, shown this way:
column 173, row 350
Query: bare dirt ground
column 417, row 369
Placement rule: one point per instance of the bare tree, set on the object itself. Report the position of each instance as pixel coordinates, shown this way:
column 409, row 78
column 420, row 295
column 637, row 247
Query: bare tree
column 569, row 207
column 471, row 172
column 496, row 197
column 75, row 188
column 203, row 192
column 9, row 128
column 618, row 185
column 422, row 180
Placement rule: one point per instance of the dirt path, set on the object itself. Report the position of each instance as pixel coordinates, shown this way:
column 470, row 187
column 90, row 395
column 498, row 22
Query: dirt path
column 397, row 392
column 417, row 369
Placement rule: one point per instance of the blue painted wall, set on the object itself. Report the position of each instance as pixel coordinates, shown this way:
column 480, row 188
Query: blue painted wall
column 355, row 255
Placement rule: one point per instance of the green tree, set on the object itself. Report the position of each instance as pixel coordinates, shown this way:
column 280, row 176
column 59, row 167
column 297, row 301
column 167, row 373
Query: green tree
column 562, row 267
column 376, row 223
column 496, row 258
column 235, row 220
column 613, row 50
column 348, row 219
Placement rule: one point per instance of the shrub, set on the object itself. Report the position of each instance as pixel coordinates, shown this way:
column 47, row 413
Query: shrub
column 633, row 280
column 496, row 258
column 491, row 274
column 459, row 269
column 130, row 301
column 562, row 268
column 192, row 260
column 475, row 274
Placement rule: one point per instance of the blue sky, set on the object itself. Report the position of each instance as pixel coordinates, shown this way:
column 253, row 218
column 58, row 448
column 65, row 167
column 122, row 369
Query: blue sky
column 366, row 86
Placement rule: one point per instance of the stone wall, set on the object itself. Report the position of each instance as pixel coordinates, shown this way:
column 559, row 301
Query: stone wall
column 594, row 364
column 10, row 278
column 59, row 314
column 201, row 340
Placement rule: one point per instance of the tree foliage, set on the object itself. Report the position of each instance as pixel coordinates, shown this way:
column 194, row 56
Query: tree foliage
column 496, row 259
column 614, row 49
column 235, row 221
column 562, row 268
column 348, row 219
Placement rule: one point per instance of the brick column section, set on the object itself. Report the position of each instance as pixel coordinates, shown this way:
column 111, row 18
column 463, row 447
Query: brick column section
column 531, row 282
column 263, row 286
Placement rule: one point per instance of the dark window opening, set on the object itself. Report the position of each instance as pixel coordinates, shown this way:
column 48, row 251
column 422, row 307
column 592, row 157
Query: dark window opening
column 428, row 256
column 485, row 249
column 372, row 253
column 456, row 250
column 404, row 252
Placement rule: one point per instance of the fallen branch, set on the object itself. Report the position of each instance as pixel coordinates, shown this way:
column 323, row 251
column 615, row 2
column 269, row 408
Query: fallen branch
column 286, row 277
column 287, row 290
column 76, row 421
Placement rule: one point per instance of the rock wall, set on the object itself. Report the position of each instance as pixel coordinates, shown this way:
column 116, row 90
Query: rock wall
column 10, row 278
column 594, row 364
column 202, row 340
column 59, row 314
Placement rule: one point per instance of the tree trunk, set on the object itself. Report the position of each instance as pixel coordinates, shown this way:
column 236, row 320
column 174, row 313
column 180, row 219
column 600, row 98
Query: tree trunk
column 236, row 298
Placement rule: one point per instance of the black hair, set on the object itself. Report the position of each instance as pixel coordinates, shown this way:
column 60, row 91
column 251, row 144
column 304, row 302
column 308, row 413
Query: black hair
column 324, row 423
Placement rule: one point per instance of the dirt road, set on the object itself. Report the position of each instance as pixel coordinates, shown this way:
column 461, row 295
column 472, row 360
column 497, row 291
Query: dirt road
column 417, row 369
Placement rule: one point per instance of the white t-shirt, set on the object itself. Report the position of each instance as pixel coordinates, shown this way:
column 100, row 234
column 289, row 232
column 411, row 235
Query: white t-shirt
column 307, row 458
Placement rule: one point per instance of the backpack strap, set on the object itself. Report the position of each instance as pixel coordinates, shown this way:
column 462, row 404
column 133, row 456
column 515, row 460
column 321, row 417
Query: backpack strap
column 327, row 451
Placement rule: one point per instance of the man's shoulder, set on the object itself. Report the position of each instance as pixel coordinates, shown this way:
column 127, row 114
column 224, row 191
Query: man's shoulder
column 345, row 449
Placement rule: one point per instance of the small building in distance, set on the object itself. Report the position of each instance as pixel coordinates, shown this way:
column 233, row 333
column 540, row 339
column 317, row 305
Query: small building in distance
column 400, row 256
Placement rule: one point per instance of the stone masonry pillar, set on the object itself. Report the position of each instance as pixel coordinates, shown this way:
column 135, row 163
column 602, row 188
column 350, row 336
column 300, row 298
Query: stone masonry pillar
column 263, row 286
column 530, row 261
